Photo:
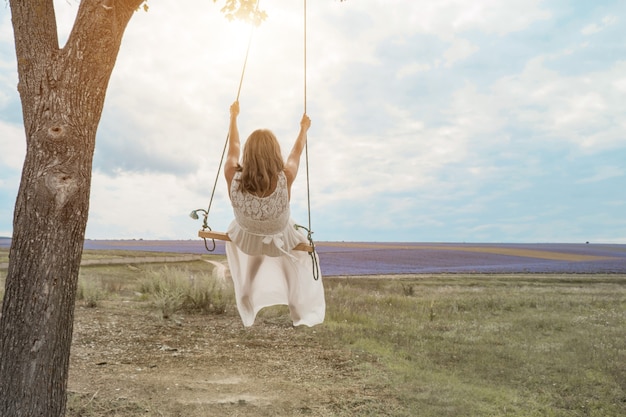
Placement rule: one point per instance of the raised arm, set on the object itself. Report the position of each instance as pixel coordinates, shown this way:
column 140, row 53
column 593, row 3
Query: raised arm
column 234, row 146
column 293, row 160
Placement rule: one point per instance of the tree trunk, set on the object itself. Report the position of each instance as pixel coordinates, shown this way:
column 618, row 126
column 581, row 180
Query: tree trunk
column 62, row 93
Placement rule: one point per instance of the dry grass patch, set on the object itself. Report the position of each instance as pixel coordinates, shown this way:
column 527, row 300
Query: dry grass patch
column 468, row 345
column 174, row 289
column 425, row 345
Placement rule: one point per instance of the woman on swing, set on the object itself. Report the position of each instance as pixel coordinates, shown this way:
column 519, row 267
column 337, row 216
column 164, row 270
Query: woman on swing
column 264, row 267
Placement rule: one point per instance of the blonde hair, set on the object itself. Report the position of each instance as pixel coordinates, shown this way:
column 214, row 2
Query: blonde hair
column 261, row 162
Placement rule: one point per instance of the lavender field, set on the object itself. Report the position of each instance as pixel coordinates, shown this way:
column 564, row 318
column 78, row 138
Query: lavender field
column 363, row 258
column 358, row 258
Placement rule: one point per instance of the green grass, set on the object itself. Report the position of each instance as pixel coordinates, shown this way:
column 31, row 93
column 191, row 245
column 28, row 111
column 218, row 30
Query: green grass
column 475, row 345
column 4, row 255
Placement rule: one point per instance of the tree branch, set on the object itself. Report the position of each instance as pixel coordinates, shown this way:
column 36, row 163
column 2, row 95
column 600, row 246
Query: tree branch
column 35, row 32
column 34, row 26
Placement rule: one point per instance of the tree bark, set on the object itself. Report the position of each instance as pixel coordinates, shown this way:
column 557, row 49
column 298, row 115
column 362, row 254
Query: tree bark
column 62, row 93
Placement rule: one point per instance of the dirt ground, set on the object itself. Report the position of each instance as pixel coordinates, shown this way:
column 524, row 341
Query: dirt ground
column 128, row 361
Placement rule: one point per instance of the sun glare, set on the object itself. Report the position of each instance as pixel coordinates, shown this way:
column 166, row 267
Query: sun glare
column 237, row 35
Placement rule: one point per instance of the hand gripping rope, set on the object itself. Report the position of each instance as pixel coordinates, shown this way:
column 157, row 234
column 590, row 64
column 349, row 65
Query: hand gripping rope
column 309, row 230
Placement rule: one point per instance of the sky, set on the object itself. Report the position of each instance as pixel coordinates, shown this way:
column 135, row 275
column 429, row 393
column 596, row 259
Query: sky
column 432, row 121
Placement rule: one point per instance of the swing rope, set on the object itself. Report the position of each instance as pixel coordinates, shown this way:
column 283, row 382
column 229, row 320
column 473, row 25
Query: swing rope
column 205, row 225
column 309, row 230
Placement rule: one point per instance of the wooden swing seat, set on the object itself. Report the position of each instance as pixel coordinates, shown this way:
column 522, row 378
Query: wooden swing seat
column 209, row 234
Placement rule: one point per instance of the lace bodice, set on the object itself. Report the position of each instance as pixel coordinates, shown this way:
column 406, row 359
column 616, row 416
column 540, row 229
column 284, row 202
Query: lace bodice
column 261, row 215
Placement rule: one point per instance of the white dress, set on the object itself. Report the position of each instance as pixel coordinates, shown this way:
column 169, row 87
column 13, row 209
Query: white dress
column 264, row 268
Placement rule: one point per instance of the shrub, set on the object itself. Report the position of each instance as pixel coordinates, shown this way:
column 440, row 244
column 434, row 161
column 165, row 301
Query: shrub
column 173, row 289
column 90, row 292
column 408, row 290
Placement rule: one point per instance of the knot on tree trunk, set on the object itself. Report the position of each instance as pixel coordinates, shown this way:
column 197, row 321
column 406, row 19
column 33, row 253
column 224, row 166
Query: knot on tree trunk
column 62, row 186
column 56, row 131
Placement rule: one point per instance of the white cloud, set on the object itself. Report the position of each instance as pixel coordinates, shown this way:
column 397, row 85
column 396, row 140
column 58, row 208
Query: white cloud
column 449, row 17
column 584, row 110
column 594, row 28
column 458, row 50
column 603, row 173
column 65, row 12
column 137, row 205
column 619, row 83
column 6, row 30
column 8, row 77
column 411, row 69
column 377, row 20
column 12, row 146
